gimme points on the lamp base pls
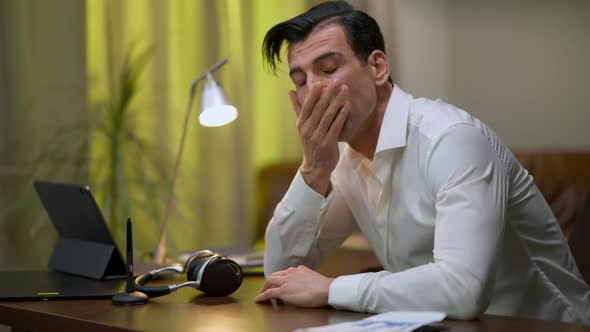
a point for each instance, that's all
(132, 298)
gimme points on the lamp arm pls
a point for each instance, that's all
(159, 255)
(209, 71)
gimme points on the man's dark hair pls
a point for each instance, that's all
(362, 32)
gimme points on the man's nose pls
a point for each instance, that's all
(315, 79)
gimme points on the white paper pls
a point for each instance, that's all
(395, 321)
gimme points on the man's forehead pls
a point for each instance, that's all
(328, 39)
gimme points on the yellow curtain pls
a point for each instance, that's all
(215, 189)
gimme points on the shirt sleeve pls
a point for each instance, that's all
(305, 227)
(469, 184)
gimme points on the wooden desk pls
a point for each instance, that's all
(187, 310)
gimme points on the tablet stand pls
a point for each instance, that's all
(87, 259)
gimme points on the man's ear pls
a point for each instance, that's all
(380, 66)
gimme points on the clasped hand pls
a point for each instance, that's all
(299, 286)
(320, 121)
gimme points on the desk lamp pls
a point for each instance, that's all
(216, 111)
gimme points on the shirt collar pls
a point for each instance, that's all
(393, 132)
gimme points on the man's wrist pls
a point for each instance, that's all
(327, 295)
(318, 181)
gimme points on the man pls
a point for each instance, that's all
(457, 223)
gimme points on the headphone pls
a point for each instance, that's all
(209, 272)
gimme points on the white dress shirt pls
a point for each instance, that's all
(457, 223)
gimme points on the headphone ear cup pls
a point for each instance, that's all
(221, 277)
(195, 266)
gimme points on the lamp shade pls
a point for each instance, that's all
(216, 109)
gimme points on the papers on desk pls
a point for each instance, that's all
(396, 321)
